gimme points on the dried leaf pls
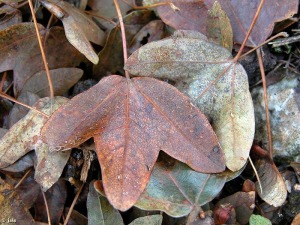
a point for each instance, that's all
(100, 212)
(111, 56)
(152, 31)
(22, 137)
(106, 9)
(243, 203)
(62, 80)
(191, 16)
(20, 52)
(242, 12)
(148, 220)
(19, 111)
(273, 187)
(218, 27)
(79, 28)
(218, 86)
(176, 189)
(22, 164)
(131, 120)
(9, 16)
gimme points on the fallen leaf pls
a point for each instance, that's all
(242, 12)
(148, 220)
(56, 198)
(9, 16)
(224, 214)
(176, 189)
(79, 27)
(2, 132)
(273, 187)
(205, 72)
(12, 209)
(218, 27)
(22, 164)
(106, 9)
(20, 52)
(111, 56)
(191, 16)
(62, 80)
(243, 203)
(100, 212)
(259, 220)
(296, 220)
(152, 31)
(131, 120)
(18, 111)
(22, 137)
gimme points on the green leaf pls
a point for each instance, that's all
(176, 189)
(259, 220)
(100, 212)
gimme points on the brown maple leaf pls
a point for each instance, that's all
(131, 120)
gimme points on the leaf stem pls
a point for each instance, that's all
(47, 207)
(123, 35)
(42, 51)
(250, 30)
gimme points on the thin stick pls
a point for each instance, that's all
(281, 34)
(256, 174)
(250, 29)
(20, 103)
(42, 51)
(101, 17)
(123, 35)
(22, 179)
(3, 80)
(47, 208)
(73, 204)
(264, 82)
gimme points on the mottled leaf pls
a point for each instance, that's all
(131, 120)
(218, 27)
(79, 27)
(100, 212)
(62, 80)
(148, 220)
(176, 189)
(22, 137)
(9, 16)
(217, 85)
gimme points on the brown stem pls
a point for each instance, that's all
(123, 35)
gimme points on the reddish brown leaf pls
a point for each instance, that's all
(131, 120)
(191, 16)
(242, 12)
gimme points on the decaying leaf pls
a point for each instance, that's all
(243, 203)
(111, 56)
(218, 86)
(242, 12)
(100, 212)
(23, 137)
(176, 189)
(273, 187)
(79, 28)
(106, 9)
(20, 52)
(259, 220)
(18, 111)
(62, 80)
(148, 220)
(218, 27)
(9, 16)
(131, 120)
(190, 16)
